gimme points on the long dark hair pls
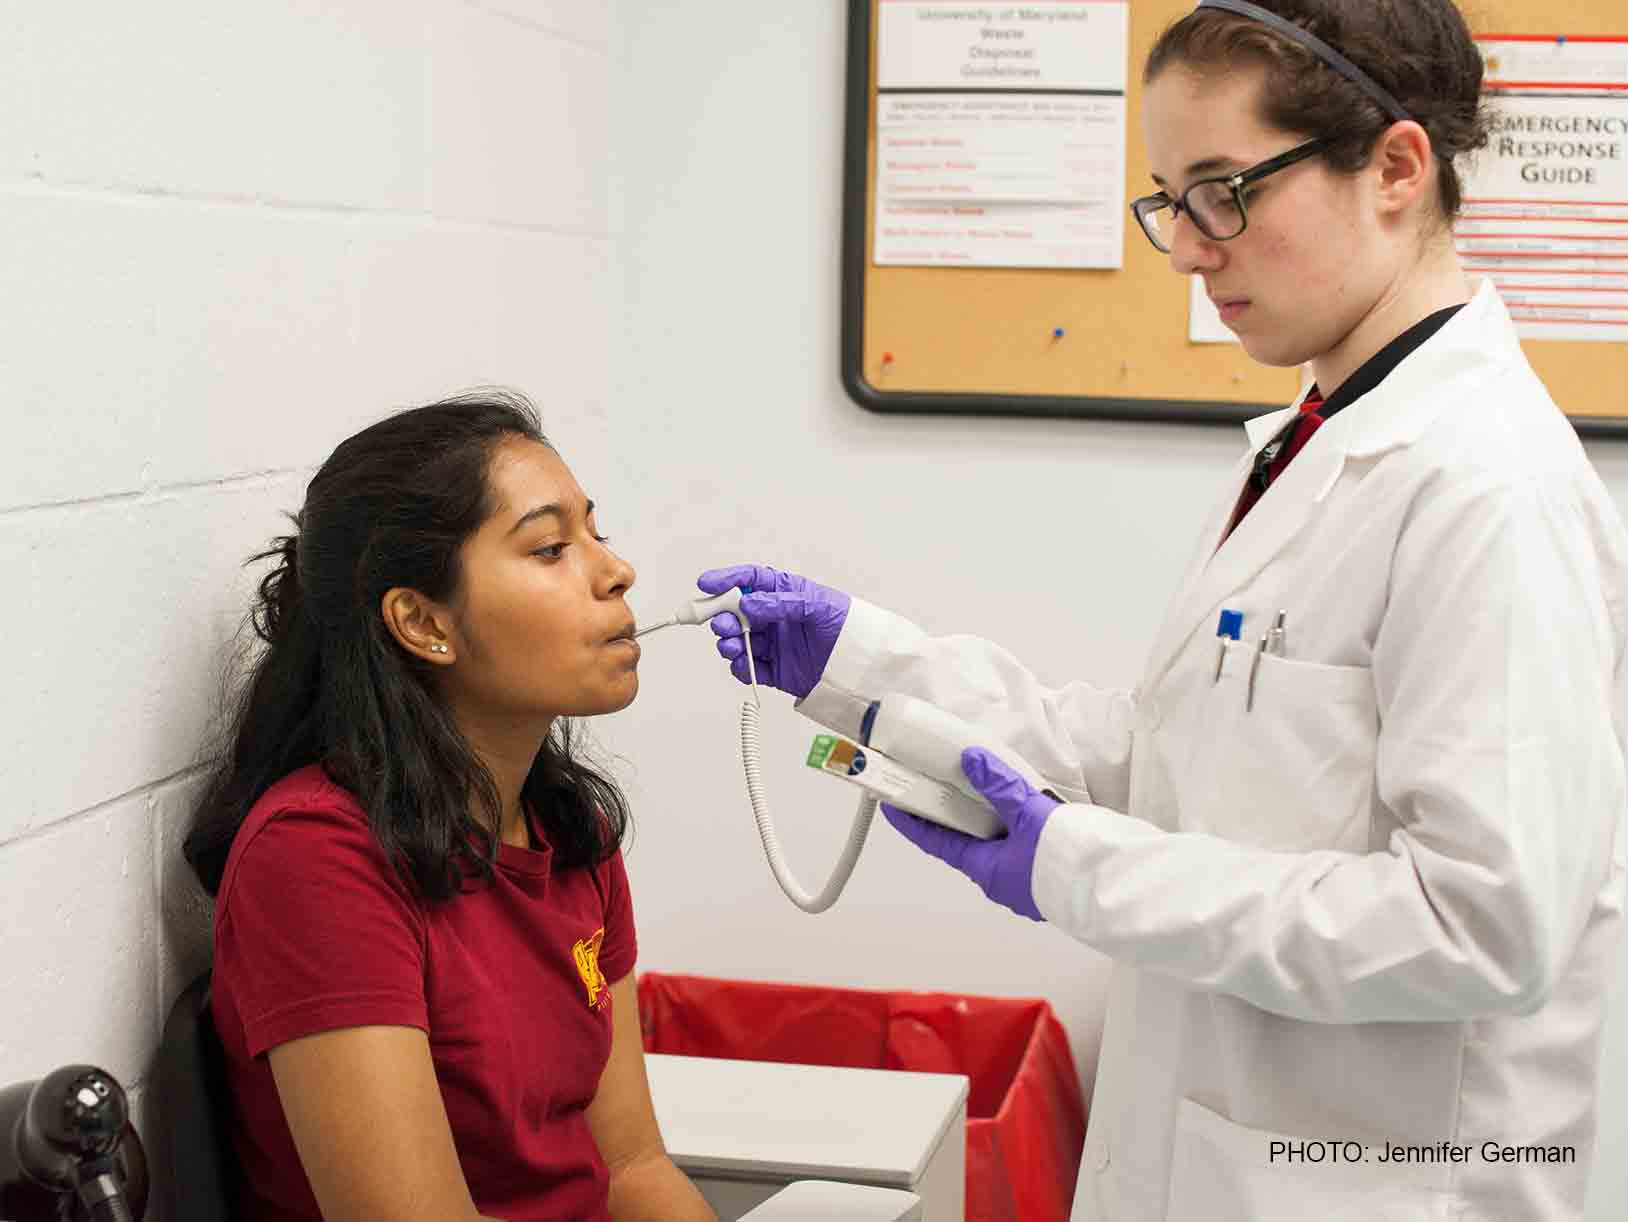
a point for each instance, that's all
(1421, 51)
(391, 507)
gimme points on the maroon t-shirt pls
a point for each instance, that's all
(314, 931)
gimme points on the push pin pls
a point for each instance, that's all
(887, 361)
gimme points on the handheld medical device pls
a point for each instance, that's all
(892, 782)
(909, 756)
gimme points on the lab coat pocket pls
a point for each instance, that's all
(1289, 768)
(1222, 1171)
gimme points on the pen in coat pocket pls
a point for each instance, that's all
(1255, 665)
(1277, 639)
(1231, 625)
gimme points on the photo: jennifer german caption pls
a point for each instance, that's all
(1316, 1152)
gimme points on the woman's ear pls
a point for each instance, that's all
(419, 625)
(1406, 165)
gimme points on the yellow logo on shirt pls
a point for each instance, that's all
(586, 953)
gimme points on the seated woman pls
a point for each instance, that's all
(424, 946)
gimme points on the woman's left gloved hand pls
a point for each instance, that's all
(1002, 867)
(795, 625)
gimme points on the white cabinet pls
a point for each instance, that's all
(742, 1130)
(822, 1201)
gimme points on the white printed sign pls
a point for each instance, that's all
(1546, 203)
(1204, 325)
(1044, 44)
(1001, 134)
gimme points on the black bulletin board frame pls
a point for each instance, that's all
(857, 211)
(855, 262)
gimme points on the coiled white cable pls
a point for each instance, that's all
(699, 612)
(751, 761)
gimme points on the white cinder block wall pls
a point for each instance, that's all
(229, 236)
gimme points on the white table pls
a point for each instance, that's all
(742, 1130)
(821, 1201)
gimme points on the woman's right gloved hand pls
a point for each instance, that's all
(795, 625)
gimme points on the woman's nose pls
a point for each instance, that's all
(619, 575)
(1190, 251)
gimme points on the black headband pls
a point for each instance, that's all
(1317, 47)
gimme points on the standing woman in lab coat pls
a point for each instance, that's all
(1361, 878)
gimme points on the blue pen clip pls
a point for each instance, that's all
(1230, 628)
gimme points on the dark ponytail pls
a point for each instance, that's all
(278, 607)
(324, 682)
(1420, 51)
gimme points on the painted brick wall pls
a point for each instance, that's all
(229, 236)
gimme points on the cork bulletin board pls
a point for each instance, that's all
(985, 341)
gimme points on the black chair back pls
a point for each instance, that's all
(197, 1108)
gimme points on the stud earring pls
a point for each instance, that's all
(438, 649)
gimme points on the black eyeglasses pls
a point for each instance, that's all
(1217, 205)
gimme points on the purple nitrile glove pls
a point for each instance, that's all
(795, 624)
(1003, 867)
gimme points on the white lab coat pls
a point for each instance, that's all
(1382, 906)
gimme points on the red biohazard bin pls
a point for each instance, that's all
(1025, 1114)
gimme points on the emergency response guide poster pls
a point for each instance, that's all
(1546, 202)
